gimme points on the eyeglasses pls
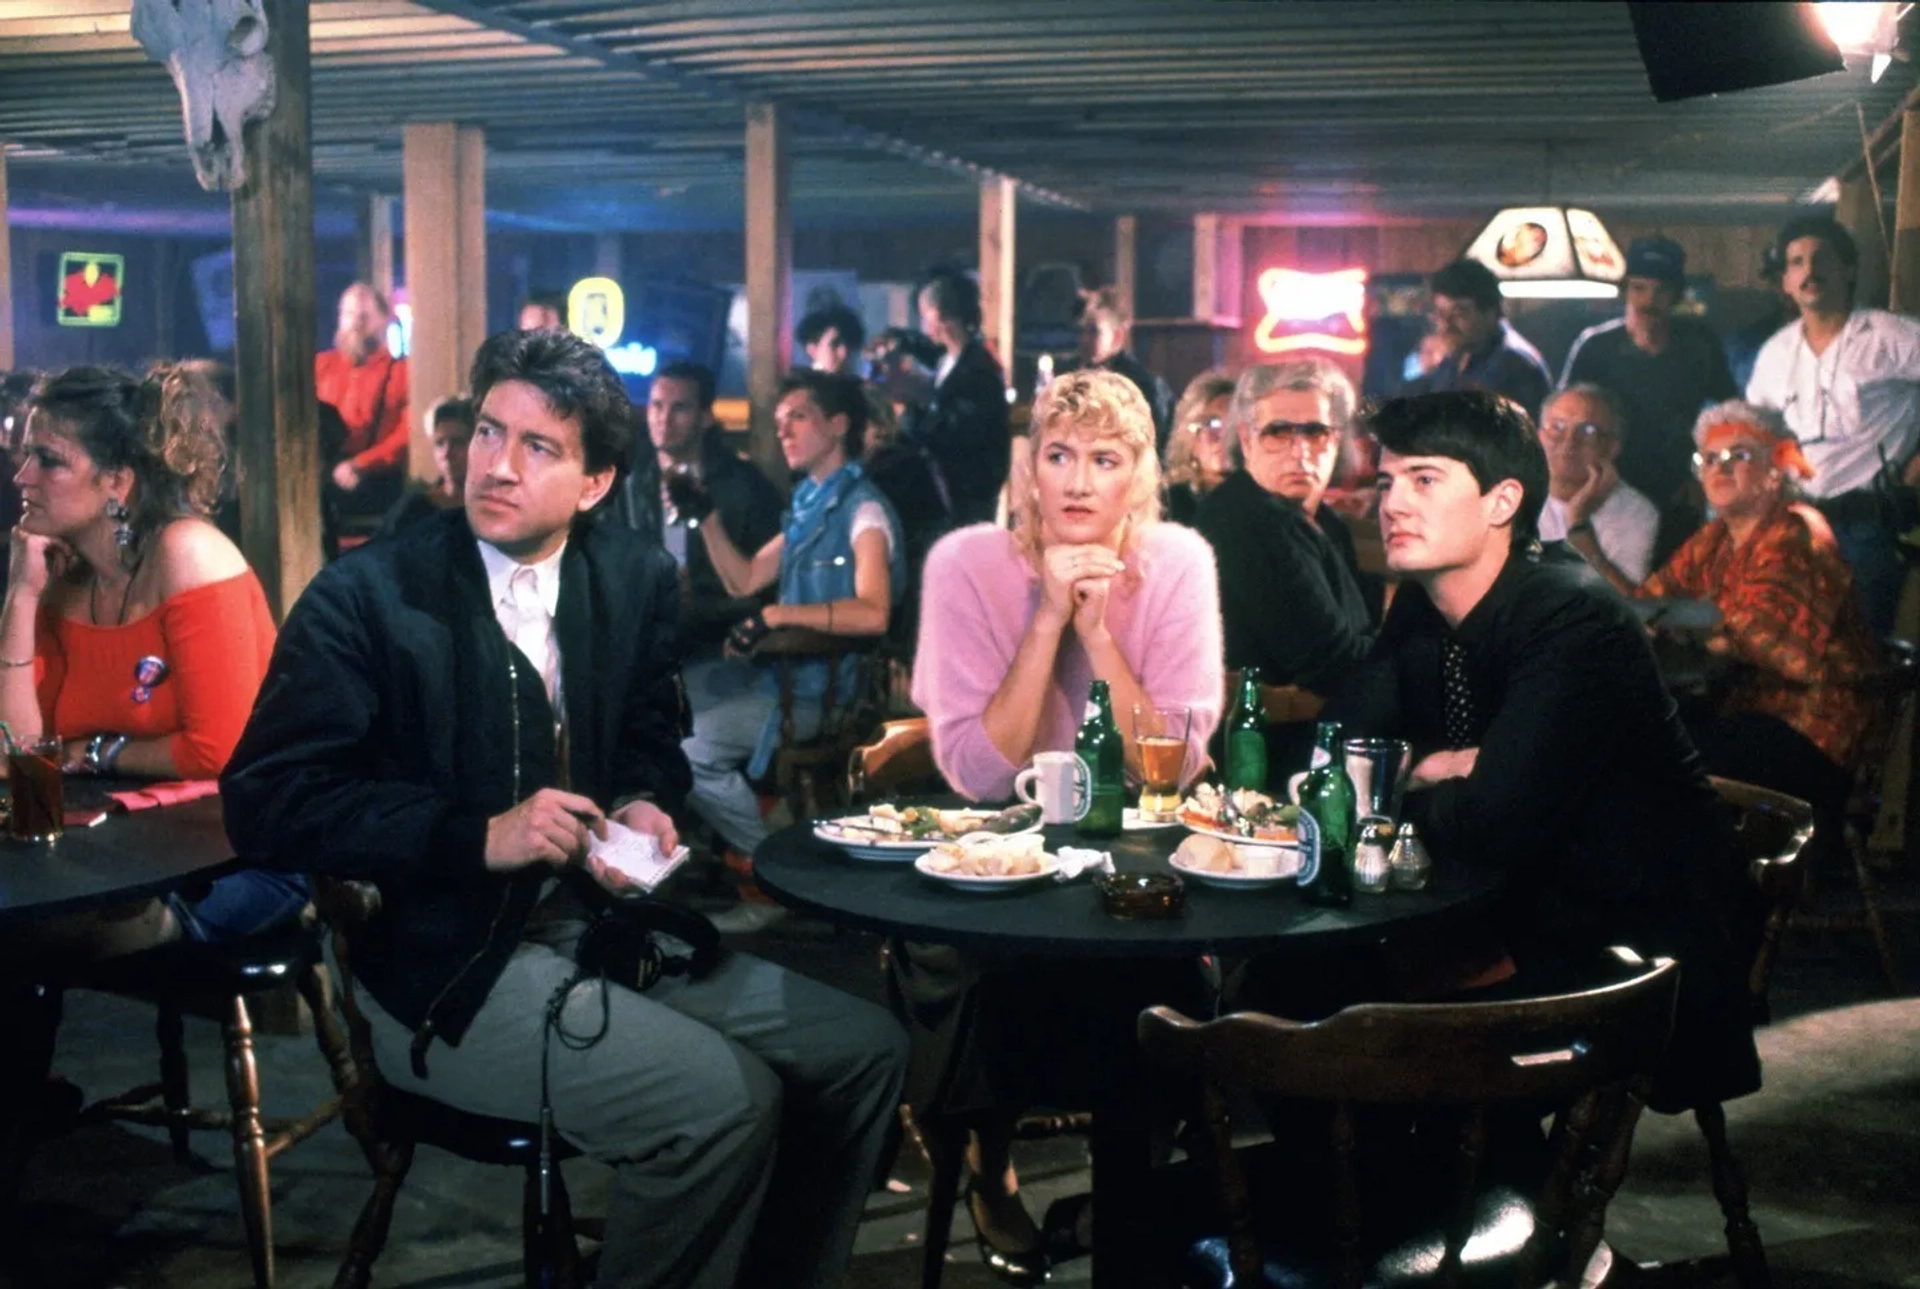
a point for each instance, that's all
(1312, 433)
(1578, 429)
(1739, 454)
(1211, 426)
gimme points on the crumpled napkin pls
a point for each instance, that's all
(174, 793)
(1075, 861)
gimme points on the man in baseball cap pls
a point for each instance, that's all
(1663, 369)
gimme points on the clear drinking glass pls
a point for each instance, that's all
(35, 791)
(1160, 741)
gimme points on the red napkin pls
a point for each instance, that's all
(177, 793)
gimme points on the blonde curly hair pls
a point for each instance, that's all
(1180, 466)
(1085, 405)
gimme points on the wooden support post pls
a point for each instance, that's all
(769, 278)
(1857, 214)
(1905, 294)
(1126, 235)
(997, 282)
(430, 176)
(373, 261)
(1206, 243)
(470, 191)
(6, 274)
(278, 441)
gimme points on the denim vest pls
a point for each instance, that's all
(819, 571)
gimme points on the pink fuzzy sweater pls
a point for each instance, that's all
(978, 595)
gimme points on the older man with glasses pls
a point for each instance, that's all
(1613, 526)
(1290, 592)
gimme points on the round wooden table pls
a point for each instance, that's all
(126, 857)
(1067, 920)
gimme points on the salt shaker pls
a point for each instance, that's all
(1409, 860)
(1372, 867)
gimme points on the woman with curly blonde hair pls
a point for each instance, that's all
(1015, 628)
(1199, 455)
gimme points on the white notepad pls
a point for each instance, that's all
(636, 855)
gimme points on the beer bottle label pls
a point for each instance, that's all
(1082, 787)
(1320, 757)
(1308, 829)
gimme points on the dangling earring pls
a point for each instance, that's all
(122, 530)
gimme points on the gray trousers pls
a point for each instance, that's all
(743, 1113)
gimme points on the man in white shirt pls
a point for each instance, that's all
(1612, 525)
(1847, 381)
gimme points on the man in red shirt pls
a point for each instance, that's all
(369, 387)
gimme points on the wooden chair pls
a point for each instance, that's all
(899, 761)
(1588, 1055)
(807, 771)
(1774, 829)
(220, 980)
(388, 1123)
(1892, 689)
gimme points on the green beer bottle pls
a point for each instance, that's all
(1099, 748)
(1327, 794)
(1247, 736)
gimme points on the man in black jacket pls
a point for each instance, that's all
(1290, 598)
(702, 474)
(964, 426)
(454, 718)
(1545, 744)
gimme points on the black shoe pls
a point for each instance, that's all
(1024, 1267)
(1060, 1228)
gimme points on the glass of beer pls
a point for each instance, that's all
(35, 795)
(1160, 738)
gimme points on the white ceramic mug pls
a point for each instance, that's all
(1057, 782)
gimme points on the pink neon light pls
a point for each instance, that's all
(1291, 296)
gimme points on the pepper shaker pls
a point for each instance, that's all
(1411, 864)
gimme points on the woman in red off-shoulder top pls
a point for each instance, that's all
(132, 627)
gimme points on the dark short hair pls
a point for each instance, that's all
(1468, 280)
(695, 374)
(457, 408)
(954, 295)
(834, 317)
(1824, 227)
(575, 379)
(835, 395)
(169, 429)
(1487, 433)
(554, 300)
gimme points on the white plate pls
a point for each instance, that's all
(888, 852)
(1049, 865)
(1237, 839)
(1132, 822)
(1289, 867)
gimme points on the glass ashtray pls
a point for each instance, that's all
(1141, 895)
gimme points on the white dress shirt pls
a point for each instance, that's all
(525, 598)
(1626, 525)
(1847, 405)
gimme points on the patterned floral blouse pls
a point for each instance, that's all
(1791, 615)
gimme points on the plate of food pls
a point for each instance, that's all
(1256, 818)
(899, 834)
(1237, 866)
(984, 862)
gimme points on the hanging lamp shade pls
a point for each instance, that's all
(1550, 253)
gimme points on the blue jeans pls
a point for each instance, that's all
(239, 905)
(730, 708)
(1879, 569)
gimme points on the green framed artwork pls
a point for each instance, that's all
(90, 288)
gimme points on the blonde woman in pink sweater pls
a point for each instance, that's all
(1015, 627)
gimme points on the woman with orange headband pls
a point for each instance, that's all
(1791, 621)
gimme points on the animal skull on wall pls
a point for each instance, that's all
(217, 53)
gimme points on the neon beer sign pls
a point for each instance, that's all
(1325, 311)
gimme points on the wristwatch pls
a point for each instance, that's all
(103, 752)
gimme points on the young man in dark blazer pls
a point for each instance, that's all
(452, 717)
(1545, 744)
